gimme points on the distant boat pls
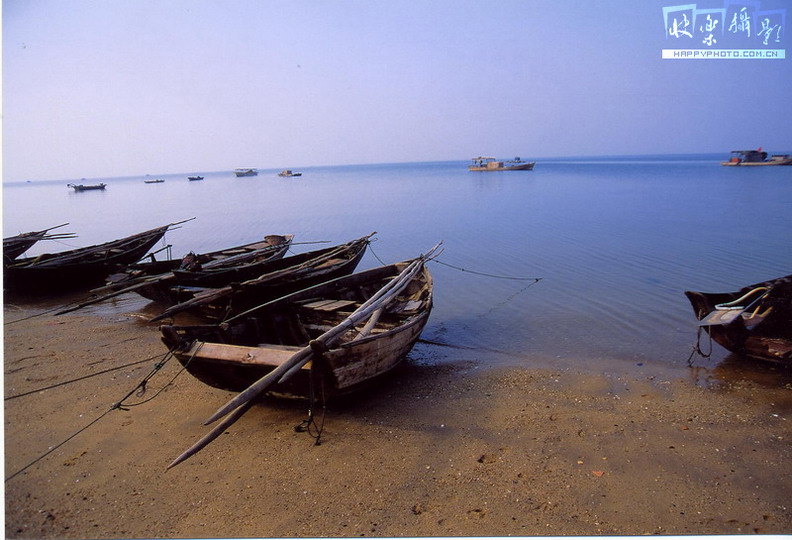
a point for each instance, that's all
(746, 158)
(157, 181)
(83, 187)
(288, 172)
(246, 172)
(488, 164)
(194, 178)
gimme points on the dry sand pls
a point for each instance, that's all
(436, 451)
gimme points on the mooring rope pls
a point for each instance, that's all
(58, 308)
(119, 405)
(697, 347)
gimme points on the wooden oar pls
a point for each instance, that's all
(727, 312)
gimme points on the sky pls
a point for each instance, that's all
(104, 88)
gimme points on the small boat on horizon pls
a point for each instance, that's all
(194, 178)
(289, 172)
(157, 181)
(246, 172)
(488, 164)
(89, 187)
(753, 158)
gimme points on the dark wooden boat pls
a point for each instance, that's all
(83, 187)
(195, 178)
(153, 279)
(275, 278)
(755, 321)
(240, 351)
(79, 267)
(14, 246)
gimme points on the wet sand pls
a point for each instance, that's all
(455, 450)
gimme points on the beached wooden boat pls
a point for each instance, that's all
(153, 279)
(275, 279)
(490, 164)
(84, 187)
(755, 321)
(240, 351)
(79, 267)
(14, 246)
(753, 158)
(289, 172)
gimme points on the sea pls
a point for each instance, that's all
(580, 264)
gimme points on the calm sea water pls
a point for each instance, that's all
(615, 241)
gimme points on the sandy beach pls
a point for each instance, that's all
(455, 450)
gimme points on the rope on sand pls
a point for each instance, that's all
(139, 390)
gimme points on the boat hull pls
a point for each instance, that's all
(752, 334)
(521, 167)
(234, 360)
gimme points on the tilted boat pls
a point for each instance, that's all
(755, 321)
(489, 164)
(275, 278)
(349, 337)
(153, 279)
(84, 187)
(752, 158)
(14, 246)
(79, 267)
(246, 172)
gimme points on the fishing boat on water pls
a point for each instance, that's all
(87, 187)
(14, 246)
(753, 158)
(353, 329)
(155, 181)
(195, 178)
(755, 321)
(246, 172)
(79, 267)
(489, 164)
(289, 172)
(273, 280)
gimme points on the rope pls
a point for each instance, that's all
(697, 347)
(139, 390)
(309, 425)
(41, 313)
(535, 280)
(79, 378)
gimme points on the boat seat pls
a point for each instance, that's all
(328, 305)
(264, 355)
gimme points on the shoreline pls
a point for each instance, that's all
(438, 450)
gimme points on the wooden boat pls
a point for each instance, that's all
(246, 172)
(84, 187)
(194, 178)
(240, 351)
(153, 279)
(752, 158)
(755, 321)
(14, 246)
(490, 164)
(79, 267)
(275, 279)
(155, 181)
(289, 172)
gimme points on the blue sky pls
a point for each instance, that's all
(114, 88)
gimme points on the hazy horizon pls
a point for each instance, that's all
(114, 89)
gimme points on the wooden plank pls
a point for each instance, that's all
(265, 356)
(329, 305)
